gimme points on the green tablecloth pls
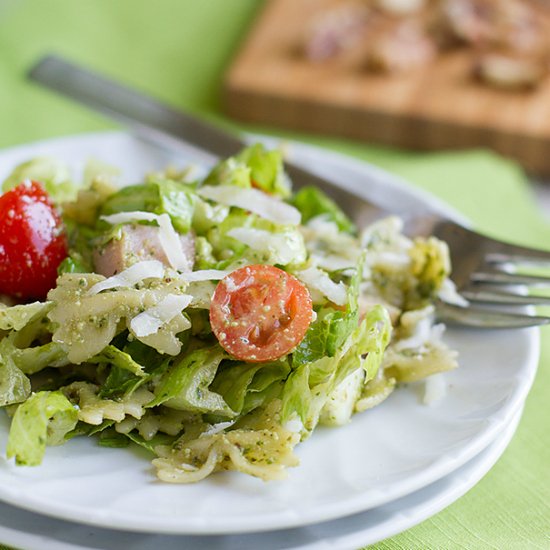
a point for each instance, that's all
(178, 50)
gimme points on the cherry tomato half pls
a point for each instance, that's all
(260, 313)
(32, 242)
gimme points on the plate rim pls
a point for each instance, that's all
(266, 522)
(351, 539)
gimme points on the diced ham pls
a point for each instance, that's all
(138, 243)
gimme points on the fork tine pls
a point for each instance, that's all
(504, 278)
(508, 298)
(496, 251)
(485, 318)
(517, 254)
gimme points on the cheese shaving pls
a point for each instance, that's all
(171, 244)
(255, 201)
(130, 217)
(151, 320)
(319, 280)
(150, 269)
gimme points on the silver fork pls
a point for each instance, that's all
(480, 264)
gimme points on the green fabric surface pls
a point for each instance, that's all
(177, 50)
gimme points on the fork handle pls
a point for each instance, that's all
(155, 121)
(167, 127)
(136, 110)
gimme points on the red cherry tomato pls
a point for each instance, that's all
(260, 313)
(32, 242)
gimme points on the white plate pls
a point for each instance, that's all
(33, 532)
(382, 455)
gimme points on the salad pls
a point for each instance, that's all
(215, 321)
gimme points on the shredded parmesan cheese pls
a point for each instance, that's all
(151, 269)
(130, 217)
(171, 244)
(254, 200)
(319, 280)
(151, 320)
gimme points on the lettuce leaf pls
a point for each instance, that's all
(44, 419)
(310, 385)
(185, 385)
(206, 215)
(253, 166)
(328, 332)
(32, 360)
(151, 444)
(236, 381)
(112, 439)
(113, 356)
(242, 234)
(124, 376)
(266, 169)
(230, 171)
(312, 202)
(16, 317)
(161, 197)
(15, 387)
(53, 174)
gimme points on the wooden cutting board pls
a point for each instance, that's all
(437, 107)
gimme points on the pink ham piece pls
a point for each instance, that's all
(138, 243)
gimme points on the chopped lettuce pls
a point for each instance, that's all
(150, 444)
(113, 356)
(15, 386)
(332, 327)
(206, 215)
(244, 385)
(53, 174)
(312, 202)
(16, 317)
(279, 246)
(160, 197)
(245, 235)
(44, 419)
(266, 169)
(112, 439)
(185, 385)
(340, 403)
(230, 172)
(310, 385)
(33, 359)
(254, 166)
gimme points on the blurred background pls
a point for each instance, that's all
(252, 61)
(297, 69)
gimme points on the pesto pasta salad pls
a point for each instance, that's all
(215, 321)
